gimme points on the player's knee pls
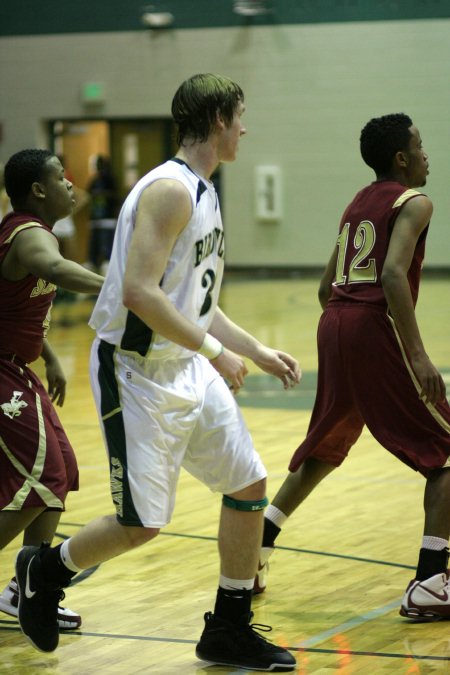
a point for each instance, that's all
(137, 536)
(255, 491)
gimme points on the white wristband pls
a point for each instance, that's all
(211, 347)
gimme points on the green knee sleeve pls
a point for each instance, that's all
(241, 505)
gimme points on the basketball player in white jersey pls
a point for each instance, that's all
(162, 366)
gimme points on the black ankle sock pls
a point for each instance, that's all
(271, 532)
(431, 563)
(50, 568)
(232, 605)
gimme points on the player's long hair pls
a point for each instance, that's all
(199, 100)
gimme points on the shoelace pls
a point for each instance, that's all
(261, 628)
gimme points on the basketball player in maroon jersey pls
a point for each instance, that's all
(373, 367)
(37, 463)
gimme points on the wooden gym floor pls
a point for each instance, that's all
(343, 560)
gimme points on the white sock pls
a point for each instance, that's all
(65, 557)
(434, 543)
(277, 517)
(236, 584)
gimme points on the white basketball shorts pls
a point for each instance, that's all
(158, 416)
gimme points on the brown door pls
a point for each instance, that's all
(135, 146)
(138, 146)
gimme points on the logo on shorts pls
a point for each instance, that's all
(13, 408)
(116, 477)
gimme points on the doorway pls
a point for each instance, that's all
(134, 146)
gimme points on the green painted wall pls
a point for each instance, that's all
(27, 17)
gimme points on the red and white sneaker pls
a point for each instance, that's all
(9, 603)
(263, 570)
(427, 600)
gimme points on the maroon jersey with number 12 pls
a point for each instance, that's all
(363, 241)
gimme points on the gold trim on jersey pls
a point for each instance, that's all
(19, 228)
(32, 480)
(403, 197)
(434, 412)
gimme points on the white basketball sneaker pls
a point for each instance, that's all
(427, 600)
(9, 603)
(263, 570)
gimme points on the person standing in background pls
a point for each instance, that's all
(104, 205)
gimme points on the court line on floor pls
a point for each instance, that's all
(348, 625)
(200, 537)
(303, 550)
(383, 655)
(372, 561)
(296, 648)
(280, 548)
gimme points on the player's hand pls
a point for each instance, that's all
(279, 364)
(432, 385)
(232, 368)
(56, 382)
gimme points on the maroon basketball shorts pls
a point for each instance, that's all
(365, 377)
(37, 462)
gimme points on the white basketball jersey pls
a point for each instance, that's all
(192, 278)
